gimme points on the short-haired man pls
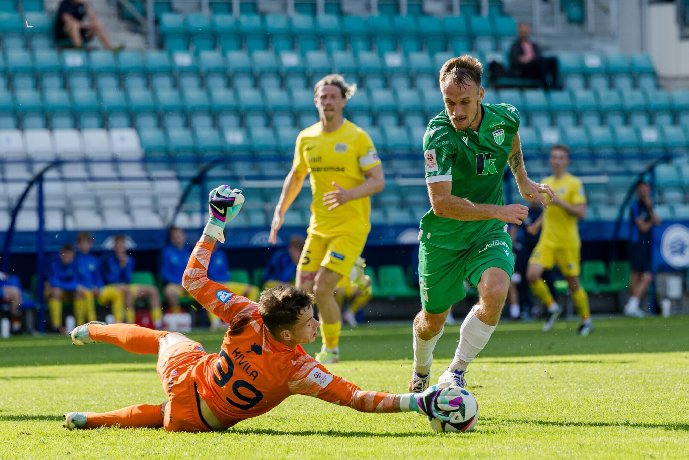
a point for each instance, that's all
(211, 392)
(559, 243)
(463, 235)
(344, 171)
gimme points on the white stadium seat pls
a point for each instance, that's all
(125, 144)
(39, 144)
(68, 144)
(96, 143)
(145, 218)
(12, 144)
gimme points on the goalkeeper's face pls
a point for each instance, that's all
(306, 327)
(463, 104)
(330, 102)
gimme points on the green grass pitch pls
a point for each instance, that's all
(619, 393)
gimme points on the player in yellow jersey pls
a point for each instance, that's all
(355, 291)
(344, 171)
(559, 243)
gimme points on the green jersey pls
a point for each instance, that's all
(474, 161)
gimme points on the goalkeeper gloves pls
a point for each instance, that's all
(224, 204)
(438, 401)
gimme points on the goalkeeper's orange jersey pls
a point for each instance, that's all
(341, 156)
(253, 372)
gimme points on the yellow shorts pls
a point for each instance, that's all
(568, 259)
(336, 253)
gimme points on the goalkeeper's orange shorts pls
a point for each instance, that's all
(182, 412)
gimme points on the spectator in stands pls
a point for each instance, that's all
(63, 284)
(354, 292)
(117, 268)
(89, 275)
(219, 270)
(643, 219)
(559, 243)
(11, 292)
(175, 256)
(69, 25)
(282, 267)
(527, 61)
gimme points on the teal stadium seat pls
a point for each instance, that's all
(46, 61)
(596, 72)
(329, 28)
(19, 61)
(586, 105)
(115, 104)
(674, 138)
(433, 33)
(195, 100)
(152, 140)
(263, 140)
(304, 32)
(420, 63)
(458, 33)
(85, 100)
(163, 81)
(681, 211)
(644, 71)
(111, 82)
(277, 27)
(12, 26)
(57, 101)
(140, 100)
(145, 120)
(396, 139)
(250, 26)
(660, 106)
(28, 101)
(680, 105)
(651, 139)
(610, 105)
(129, 62)
(619, 69)
(667, 175)
(180, 144)
(626, 138)
(409, 101)
(173, 30)
(227, 32)
(635, 107)
(562, 108)
(371, 69)
(482, 31)
(576, 137)
(102, 62)
(264, 63)
(317, 63)
(51, 81)
(356, 32)
(344, 63)
(511, 96)
(572, 70)
(359, 104)
(184, 62)
(209, 141)
(383, 101)
(535, 104)
(531, 142)
(199, 29)
(279, 101)
(158, 62)
(384, 30)
(250, 99)
(505, 29)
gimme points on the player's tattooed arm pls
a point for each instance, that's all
(528, 189)
(516, 158)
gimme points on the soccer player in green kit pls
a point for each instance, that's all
(463, 236)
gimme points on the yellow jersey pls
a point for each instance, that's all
(559, 227)
(341, 156)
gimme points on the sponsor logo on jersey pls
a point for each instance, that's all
(466, 140)
(340, 148)
(493, 244)
(320, 378)
(499, 136)
(430, 161)
(337, 255)
(674, 246)
(223, 295)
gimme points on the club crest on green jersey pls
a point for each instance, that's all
(499, 136)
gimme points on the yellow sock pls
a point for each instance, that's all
(79, 311)
(359, 302)
(157, 315)
(331, 334)
(90, 306)
(541, 291)
(581, 302)
(113, 296)
(55, 308)
(131, 315)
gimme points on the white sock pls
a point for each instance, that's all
(423, 352)
(633, 303)
(553, 307)
(515, 310)
(473, 337)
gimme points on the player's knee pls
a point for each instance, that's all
(493, 297)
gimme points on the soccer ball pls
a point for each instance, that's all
(463, 419)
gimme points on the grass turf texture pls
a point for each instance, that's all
(619, 393)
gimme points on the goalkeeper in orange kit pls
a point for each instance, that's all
(261, 361)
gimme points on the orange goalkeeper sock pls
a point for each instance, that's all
(139, 416)
(133, 338)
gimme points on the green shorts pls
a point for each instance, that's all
(442, 271)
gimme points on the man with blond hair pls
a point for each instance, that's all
(344, 171)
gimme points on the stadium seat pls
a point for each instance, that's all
(482, 32)
(12, 144)
(572, 70)
(594, 68)
(576, 137)
(619, 69)
(180, 142)
(173, 31)
(140, 100)
(562, 108)
(46, 61)
(644, 71)
(68, 144)
(626, 138)
(393, 284)
(304, 32)
(610, 105)
(667, 175)
(535, 104)
(158, 62)
(635, 108)
(199, 29)
(420, 63)
(674, 138)
(356, 32)
(57, 101)
(660, 106)
(39, 144)
(125, 144)
(651, 139)
(344, 63)
(680, 105)
(209, 141)
(433, 33)
(152, 140)
(317, 63)
(28, 101)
